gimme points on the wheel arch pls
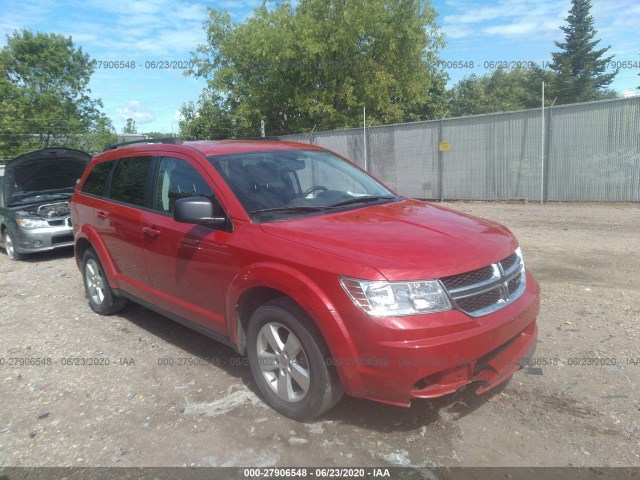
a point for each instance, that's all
(87, 238)
(6, 227)
(262, 283)
(248, 302)
(81, 246)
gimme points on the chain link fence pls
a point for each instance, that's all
(581, 152)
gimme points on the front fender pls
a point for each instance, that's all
(303, 290)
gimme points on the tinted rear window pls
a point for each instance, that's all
(129, 178)
(96, 183)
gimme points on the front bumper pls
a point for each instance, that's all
(42, 239)
(427, 356)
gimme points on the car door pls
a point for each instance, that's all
(189, 267)
(119, 224)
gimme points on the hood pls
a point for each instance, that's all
(405, 240)
(43, 175)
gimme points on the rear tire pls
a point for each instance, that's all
(101, 298)
(10, 248)
(290, 361)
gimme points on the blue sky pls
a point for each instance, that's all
(151, 30)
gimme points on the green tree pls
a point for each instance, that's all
(316, 65)
(130, 127)
(501, 91)
(157, 135)
(99, 134)
(207, 118)
(11, 134)
(580, 67)
(45, 99)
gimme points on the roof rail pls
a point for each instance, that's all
(165, 140)
(270, 138)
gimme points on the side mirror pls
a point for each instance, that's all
(198, 210)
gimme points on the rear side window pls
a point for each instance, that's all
(129, 178)
(96, 183)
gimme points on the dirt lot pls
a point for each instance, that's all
(137, 412)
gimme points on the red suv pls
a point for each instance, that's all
(325, 278)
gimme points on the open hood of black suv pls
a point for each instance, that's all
(43, 175)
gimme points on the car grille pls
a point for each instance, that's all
(60, 222)
(58, 239)
(468, 279)
(487, 289)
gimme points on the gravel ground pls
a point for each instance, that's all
(579, 407)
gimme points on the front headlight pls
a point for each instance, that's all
(30, 223)
(383, 299)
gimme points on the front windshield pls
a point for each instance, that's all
(275, 185)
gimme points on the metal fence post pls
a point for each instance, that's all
(370, 166)
(547, 147)
(440, 163)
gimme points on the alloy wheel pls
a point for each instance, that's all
(95, 281)
(8, 245)
(283, 362)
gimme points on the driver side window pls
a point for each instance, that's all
(178, 179)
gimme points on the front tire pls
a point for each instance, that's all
(10, 248)
(290, 361)
(101, 298)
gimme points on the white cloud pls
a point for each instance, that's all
(529, 19)
(17, 15)
(458, 31)
(521, 28)
(123, 29)
(506, 18)
(164, 29)
(476, 15)
(145, 6)
(194, 12)
(134, 110)
(630, 93)
(238, 4)
(619, 14)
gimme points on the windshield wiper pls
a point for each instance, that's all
(357, 200)
(303, 209)
(289, 210)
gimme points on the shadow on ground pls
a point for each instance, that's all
(50, 256)
(354, 411)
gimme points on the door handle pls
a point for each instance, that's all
(151, 231)
(101, 215)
